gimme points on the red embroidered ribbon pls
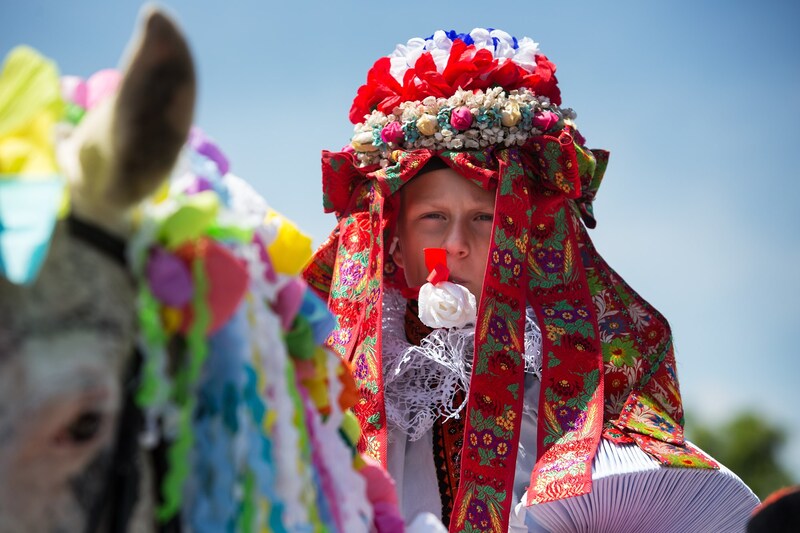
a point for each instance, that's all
(494, 406)
(571, 399)
(356, 299)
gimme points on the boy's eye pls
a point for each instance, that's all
(485, 217)
(433, 216)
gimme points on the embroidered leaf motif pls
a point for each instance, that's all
(335, 163)
(503, 241)
(590, 381)
(514, 390)
(551, 153)
(550, 395)
(559, 230)
(479, 423)
(483, 327)
(375, 421)
(585, 328)
(369, 385)
(487, 456)
(490, 348)
(551, 425)
(534, 266)
(462, 512)
(507, 184)
(368, 348)
(595, 287)
(543, 283)
(492, 423)
(591, 414)
(506, 275)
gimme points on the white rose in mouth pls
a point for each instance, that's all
(446, 305)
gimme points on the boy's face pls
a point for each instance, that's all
(442, 209)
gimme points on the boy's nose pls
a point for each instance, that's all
(456, 243)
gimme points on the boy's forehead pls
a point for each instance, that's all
(442, 185)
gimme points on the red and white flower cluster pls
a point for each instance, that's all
(445, 62)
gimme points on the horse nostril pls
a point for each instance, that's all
(85, 427)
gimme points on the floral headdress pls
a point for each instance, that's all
(488, 105)
(455, 91)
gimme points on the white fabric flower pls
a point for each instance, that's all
(446, 305)
(498, 42)
(440, 41)
(405, 56)
(525, 55)
(504, 46)
(482, 39)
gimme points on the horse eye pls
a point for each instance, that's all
(85, 427)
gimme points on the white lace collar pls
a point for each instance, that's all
(420, 382)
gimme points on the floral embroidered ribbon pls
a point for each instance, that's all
(356, 299)
(571, 401)
(494, 406)
(596, 328)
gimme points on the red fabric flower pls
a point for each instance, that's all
(380, 87)
(467, 67)
(432, 82)
(508, 75)
(543, 80)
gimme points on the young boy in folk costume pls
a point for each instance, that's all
(555, 404)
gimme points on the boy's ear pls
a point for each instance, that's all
(396, 252)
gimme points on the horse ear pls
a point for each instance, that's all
(127, 146)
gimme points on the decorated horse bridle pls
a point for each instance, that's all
(123, 479)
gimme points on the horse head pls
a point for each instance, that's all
(67, 337)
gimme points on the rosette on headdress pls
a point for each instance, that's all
(488, 105)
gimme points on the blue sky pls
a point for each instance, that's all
(697, 102)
